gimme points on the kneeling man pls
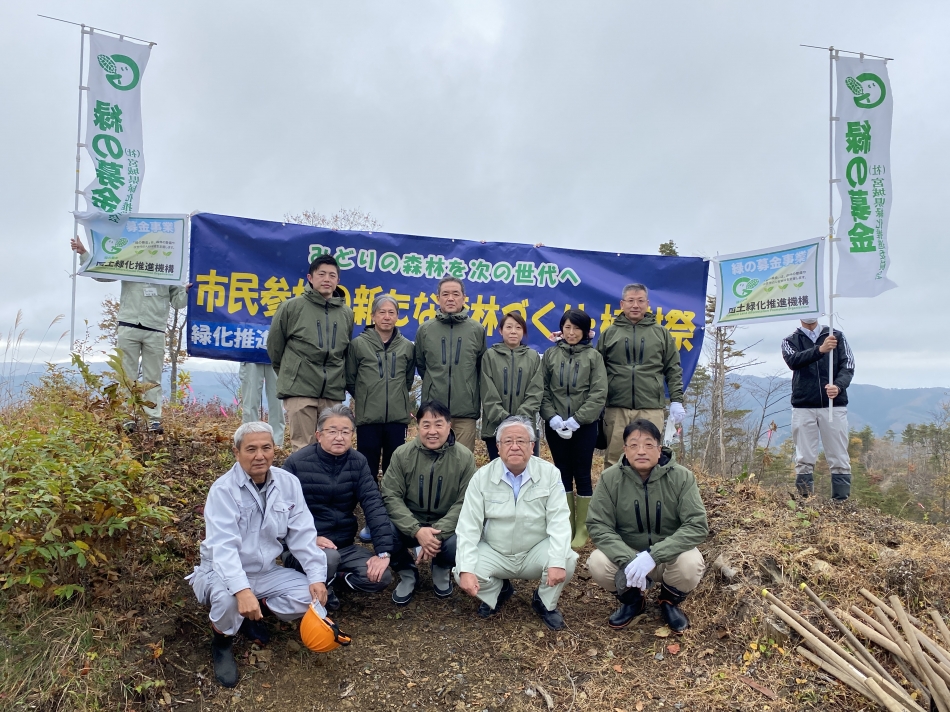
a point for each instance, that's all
(646, 519)
(249, 510)
(423, 489)
(515, 524)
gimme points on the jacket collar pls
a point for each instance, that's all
(497, 470)
(505, 351)
(456, 318)
(661, 469)
(314, 296)
(370, 333)
(649, 319)
(438, 451)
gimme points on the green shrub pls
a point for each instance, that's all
(73, 494)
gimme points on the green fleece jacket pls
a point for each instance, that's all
(379, 377)
(307, 345)
(638, 358)
(449, 352)
(426, 488)
(512, 384)
(575, 383)
(663, 515)
(144, 303)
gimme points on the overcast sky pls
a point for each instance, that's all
(602, 125)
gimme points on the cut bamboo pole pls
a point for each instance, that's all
(884, 607)
(925, 640)
(938, 688)
(837, 673)
(875, 637)
(856, 645)
(889, 702)
(941, 626)
(894, 635)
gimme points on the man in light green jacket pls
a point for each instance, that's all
(307, 346)
(515, 524)
(449, 352)
(640, 355)
(140, 336)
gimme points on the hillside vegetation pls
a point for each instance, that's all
(98, 529)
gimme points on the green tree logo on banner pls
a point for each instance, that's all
(121, 72)
(868, 89)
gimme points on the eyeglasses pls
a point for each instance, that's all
(649, 447)
(333, 433)
(520, 442)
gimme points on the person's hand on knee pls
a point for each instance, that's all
(469, 583)
(248, 605)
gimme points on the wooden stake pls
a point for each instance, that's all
(938, 688)
(941, 626)
(884, 607)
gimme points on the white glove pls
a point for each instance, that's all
(638, 570)
(677, 412)
(556, 423)
(572, 424)
(565, 433)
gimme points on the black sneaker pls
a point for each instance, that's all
(255, 631)
(406, 588)
(552, 619)
(155, 427)
(333, 603)
(507, 591)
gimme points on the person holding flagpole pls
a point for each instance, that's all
(820, 404)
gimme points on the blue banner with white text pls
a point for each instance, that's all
(243, 269)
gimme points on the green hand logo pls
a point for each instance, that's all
(743, 287)
(868, 89)
(121, 72)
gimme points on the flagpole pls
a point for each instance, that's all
(832, 55)
(76, 191)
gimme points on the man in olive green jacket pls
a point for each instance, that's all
(639, 355)
(646, 519)
(423, 490)
(449, 352)
(307, 345)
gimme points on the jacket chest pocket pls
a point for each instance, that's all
(534, 500)
(279, 515)
(249, 519)
(499, 505)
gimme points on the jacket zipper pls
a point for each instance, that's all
(505, 378)
(431, 476)
(646, 495)
(633, 371)
(570, 361)
(379, 363)
(511, 395)
(381, 370)
(451, 329)
(518, 389)
(438, 493)
(642, 340)
(326, 354)
(636, 507)
(659, 516)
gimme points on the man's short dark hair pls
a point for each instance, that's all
(323, 260)
(642, 426)
(433, 408)
(444, 280)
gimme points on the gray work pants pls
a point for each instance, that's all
(256, 377)
(808, 424)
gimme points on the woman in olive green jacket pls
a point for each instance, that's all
(380, 369)
(575, 391)
(512, 381)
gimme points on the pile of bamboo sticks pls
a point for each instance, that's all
(924, 664)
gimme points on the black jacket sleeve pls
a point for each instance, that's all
(799, 359)
(375, 511)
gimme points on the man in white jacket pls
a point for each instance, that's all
(249, 510)
(515, 524)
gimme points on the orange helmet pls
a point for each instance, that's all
(321, 635)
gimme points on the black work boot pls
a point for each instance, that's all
(632, 604)
(255, 631)
(552, 619)
(225, 666)
(333, 603)
(840, 486)
(507, 591)
(669, 601)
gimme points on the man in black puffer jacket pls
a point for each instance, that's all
(335, 478)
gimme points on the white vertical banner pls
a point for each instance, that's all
(863, 162)
(114, 131)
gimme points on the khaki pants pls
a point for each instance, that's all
(616, 419)
(493, 568)
(683, 573)
(464, 429)
(302, 414)
(148, 348)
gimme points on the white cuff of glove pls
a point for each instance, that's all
(565, 433)
(572, 424)
(677, 412)
(556, 423)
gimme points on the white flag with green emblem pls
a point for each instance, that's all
(114, 131)
(863, 161)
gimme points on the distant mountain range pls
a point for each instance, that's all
(882, 408)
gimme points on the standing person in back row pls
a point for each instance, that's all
(575, 389)
(639, 355)
(449, 352)
(806, 352)
(140, 333)
(307, 346)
